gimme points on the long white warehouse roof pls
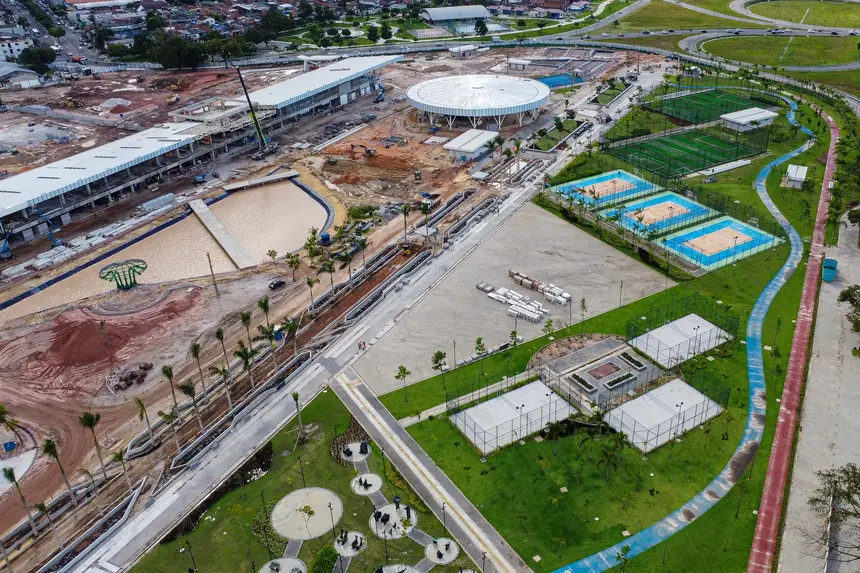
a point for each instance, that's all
(797, 172)
(317, 81)
(455, 13)
(747, 116)
(470, 141)
(42, 183)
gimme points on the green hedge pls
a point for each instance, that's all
(326, 558)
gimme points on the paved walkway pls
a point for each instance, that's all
(766, 539)
(293, 547)
(829, 424)
(464, 522)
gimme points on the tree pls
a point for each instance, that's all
(170, 418)
(385, 31)
(623, 557)
(851, 295)
(219, 336)
(299, 414)
(57, 31)
(23, 22)
(9, 476)
(311, 281)
(223, 372)
(480, 28)
(190, 391)
(267, 333)
(195, 353)
(43, 510)
(167, 374)
(291, 327)
(245, 317)
(583, 308)
(619, 442)
(49, 448)
(246, 355)
(401, 376)
(404, 210)
(119, 458)
(263, 305)
(373, 34)
(425, 210)
(294, 261)
(272, 254)
(117, 50)
(154, 21)
(89, 421)
(554, 431)
(36, 58)
(362, 245)
(558, 124)
(607, 458)
(8, 422)
(438, 364)
(588, 438)
(307, 512)
(480, 350)
(838, 497)
(328, 267)
(100, 36)
(548, 327)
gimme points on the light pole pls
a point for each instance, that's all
(331, 514)
(444, 520)
(193, 563)
(455, 354)
(483, 560)
(302, 471)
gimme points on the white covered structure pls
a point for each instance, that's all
(476, 97)
(470, 145)
(748, 119)
(516, 64)
(451, 13)
(795, 177)
(463, 52)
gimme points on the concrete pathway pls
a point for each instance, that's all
(419, 537)
(222, 236)
(293, 547)
(424, 565)
(464, 522)
(342, 564)
(829, 424)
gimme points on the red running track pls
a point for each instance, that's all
(770, 512)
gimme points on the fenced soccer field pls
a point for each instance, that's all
(680, 154)
(709, 105)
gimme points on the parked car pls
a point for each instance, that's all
(277, 283)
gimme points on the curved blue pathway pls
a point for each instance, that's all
(726, 479)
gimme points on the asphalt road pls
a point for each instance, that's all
(68, 43)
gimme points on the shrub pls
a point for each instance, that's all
(262, 529)
(361, 211)
(325, 560)
(639, 131)
(397, 481)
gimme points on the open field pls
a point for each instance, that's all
(837, 14)
(706, 106)
(534, 242)
(848, 80)
(641, 121)
(662, 42)
(721, 6)
(779, 51)
(223, 540)
(659, 15)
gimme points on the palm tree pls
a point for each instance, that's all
(89, 421)
(554, 431)
(142, 415)
(291, 327)
(195, 353)
(518, 143)
(362, 244)
(311, 281)
(425, 209)
(188, 389)
(328, 267)
(348, 258)
(170, 419)
(8, 422)
(619, 441)
(500, 143)
(9, 475)
(491, 146)
(263, 304)
(219, 336)
(607, 458)
(49, 448)
(43, 510)
(267, 333)
(294, 262)
(246, 356)
(246, 322)
(299, 414)
(224, 373)
(588, 438)
(86, 474)
(119, 458)
(404, 209)
(167, 374)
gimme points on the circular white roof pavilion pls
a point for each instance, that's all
(478, 96)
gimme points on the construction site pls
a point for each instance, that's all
(342, 163)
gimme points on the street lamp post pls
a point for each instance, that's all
(331, 514)
(444, 520)
(302, 471)
(483, 560)
(193, 563)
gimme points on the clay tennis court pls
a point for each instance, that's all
(718, 241)
(660, 212)
(608, 187)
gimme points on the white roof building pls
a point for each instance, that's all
(746, 119)
(473, 12)
(470, 144)
(317, 81)
(796, 172)
(43, 183)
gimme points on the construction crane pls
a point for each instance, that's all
(265, 146)
(380, 96)
(55, 241)
(5, 249)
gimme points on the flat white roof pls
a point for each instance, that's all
(797, 172)
(466, 48)
(747, 116)
(478, 95)
(473, 11)
(470, 141)
(42, 183)
(516, 62)
(316, 81)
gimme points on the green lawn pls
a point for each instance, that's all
(222, 541)
(659, 15)
(845, 80)
(661, 42)
(640, 121)
(778, 51)
(552, 138)
(615, 89)
(838, 14)
(721, 6)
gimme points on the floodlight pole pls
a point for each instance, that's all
(212, 272)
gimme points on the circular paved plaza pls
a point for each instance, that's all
(290, 522)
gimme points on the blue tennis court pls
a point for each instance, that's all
(659, 213)
(719, 242)
(606, 189)
(560, 80)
